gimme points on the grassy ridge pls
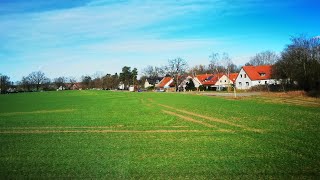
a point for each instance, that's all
(122, 135)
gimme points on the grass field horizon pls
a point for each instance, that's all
(122, 135)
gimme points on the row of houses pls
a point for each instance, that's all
(248, 77)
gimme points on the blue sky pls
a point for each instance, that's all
(75, 38)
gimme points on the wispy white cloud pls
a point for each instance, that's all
(102, 33)
(107, 21)
(154, 45)
(68, 28)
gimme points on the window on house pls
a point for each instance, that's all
(262, 74)
(245, 75)
(225, 80)
(259, 82)
(220, 80)
(247, 83)
(265, 82)
(240, 83)
(241, 75)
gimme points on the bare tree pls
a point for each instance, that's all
(60, 82)
(37, 79)
(107, 81)
(234, 68)
(115, 80)
(86, 81)
(153, 73)
(300, 63)
(199, 69)
(5, 83)
(222, 64)
(47, 85)
(217, 62)
(175, 68)
(111, 81)
(264, 58)
(72, 81)
(226, 62)
(24, 84)
(97, 82)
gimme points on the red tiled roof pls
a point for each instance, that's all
(258, 72)
(203, 77)
(209, 79)
(164, 81)
(233, 76)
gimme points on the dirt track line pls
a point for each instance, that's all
(145, 103)
(188, 118)
(80, 127)
(213, 119)
(37, 112)
(109, 131)
(61, 127)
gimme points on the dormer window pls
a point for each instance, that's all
(262, 74)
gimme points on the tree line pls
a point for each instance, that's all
(297, 67)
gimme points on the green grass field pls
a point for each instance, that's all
(122, 135)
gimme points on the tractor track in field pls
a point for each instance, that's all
(107, 131)
(82, 127)
(211, 119)
(181, 114)
(188, 119)
(37, 112)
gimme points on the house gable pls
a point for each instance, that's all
(243, 81)
(207, 79)
(166, 82)
(147, 84)
(223, 80)
(258, 72)
(253, 75)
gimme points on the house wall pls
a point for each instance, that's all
(223, 81)
(263, 82)
(183, 84)
(196, 82)
(167, 87)
(244, 82)
(171, 89)
(147, 84)
(121, 86)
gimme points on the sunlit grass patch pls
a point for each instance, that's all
(122, 135)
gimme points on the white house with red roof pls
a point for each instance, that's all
(215, 81)
(165, 84)
(185, 81)
(147, 84)
(225, 80)
(206, 80)
(250, 76)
